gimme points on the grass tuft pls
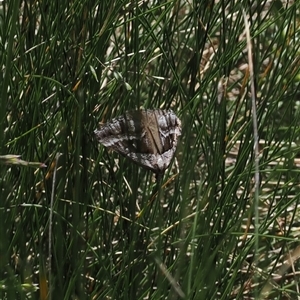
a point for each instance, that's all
(81, 227)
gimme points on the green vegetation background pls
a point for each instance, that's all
(70, 230)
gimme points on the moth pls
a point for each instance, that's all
(147, 137)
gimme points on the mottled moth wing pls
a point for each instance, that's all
(147, 137)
